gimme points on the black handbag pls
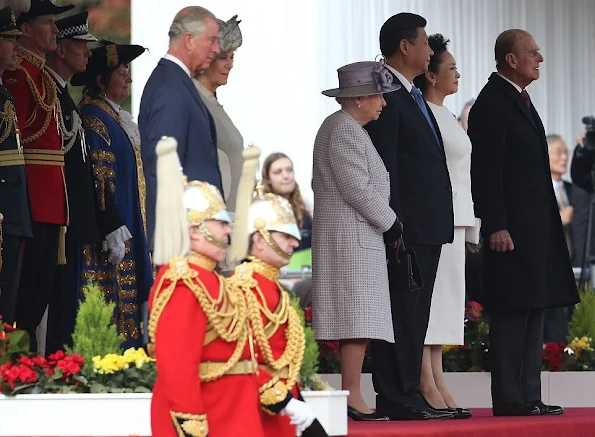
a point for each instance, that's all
(409, 258)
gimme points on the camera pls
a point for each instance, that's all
(589, 122)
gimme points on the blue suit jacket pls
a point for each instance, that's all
(171, 106)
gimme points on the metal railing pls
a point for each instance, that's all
(306, 272)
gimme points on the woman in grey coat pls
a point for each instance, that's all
(351, 202)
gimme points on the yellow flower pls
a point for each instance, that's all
(114, 363)
(581, 344)
(448, 347)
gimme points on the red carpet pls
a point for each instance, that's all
(576, 422)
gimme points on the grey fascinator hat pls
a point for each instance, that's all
(230, 35)
(361, 79)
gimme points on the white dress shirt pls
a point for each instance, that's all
(408, 85)
(175, 60)
(516, 87)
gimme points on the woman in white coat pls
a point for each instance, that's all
(446, 325)
(351, 302)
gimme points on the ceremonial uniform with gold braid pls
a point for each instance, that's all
(206, 381)
(207, 377)
(35, 98)
(14, 200)
(277, 328)
(278, 333)
(90, 223)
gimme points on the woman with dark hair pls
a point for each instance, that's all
(114, 141)
(448, 298)
(278, 178)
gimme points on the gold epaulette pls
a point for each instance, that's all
(94, 124)
(243, 277)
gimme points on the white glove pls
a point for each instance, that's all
(114, 244)
(300, 413)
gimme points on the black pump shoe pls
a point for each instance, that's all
(354, 414)
(457, 413)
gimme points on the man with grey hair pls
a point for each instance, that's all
(171, 106)
(90, 222)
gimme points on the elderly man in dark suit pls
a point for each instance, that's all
(526, 263)
(170, 104)
(573, 204)
(408, 140)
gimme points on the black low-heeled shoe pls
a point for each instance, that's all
(354, 414)
(457, 413)
(463, 413)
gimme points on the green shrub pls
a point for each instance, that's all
(94, 332)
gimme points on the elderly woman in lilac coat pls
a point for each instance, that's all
(351, 301)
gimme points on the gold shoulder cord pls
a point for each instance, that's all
(294, 351)
(8, 122)
(47, 101)
(236, 331)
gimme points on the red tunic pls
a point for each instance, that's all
(44, 160)
(231, 403)
(277, 424)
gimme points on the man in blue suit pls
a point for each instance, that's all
(171, 106)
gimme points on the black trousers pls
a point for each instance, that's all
(396, 368)
(516, 342)
(10, 276)
(37, 277)
(63, 303)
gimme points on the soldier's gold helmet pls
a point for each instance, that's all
(272, 213)
(181, 203)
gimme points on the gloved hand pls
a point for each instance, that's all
(472, 248)
(300, 413)
(114, 244)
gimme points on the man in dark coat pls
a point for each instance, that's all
(171, 106)
(408, 140)
(526, 263)
(90, 222)
(14, 200)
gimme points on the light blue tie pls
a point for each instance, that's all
(416, 94)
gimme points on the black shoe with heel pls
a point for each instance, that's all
(457, 413)
(354, 414)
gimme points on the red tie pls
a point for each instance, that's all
(526, 98)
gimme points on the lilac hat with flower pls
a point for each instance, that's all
(363, 79)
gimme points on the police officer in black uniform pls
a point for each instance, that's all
(14, 199)
(90, 222)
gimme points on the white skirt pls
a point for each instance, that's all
(447, 313)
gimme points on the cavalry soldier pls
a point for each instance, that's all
(14, 204)
(266, 229)
(207, 379)
(36, 104)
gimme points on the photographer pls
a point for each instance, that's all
(581, 169)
